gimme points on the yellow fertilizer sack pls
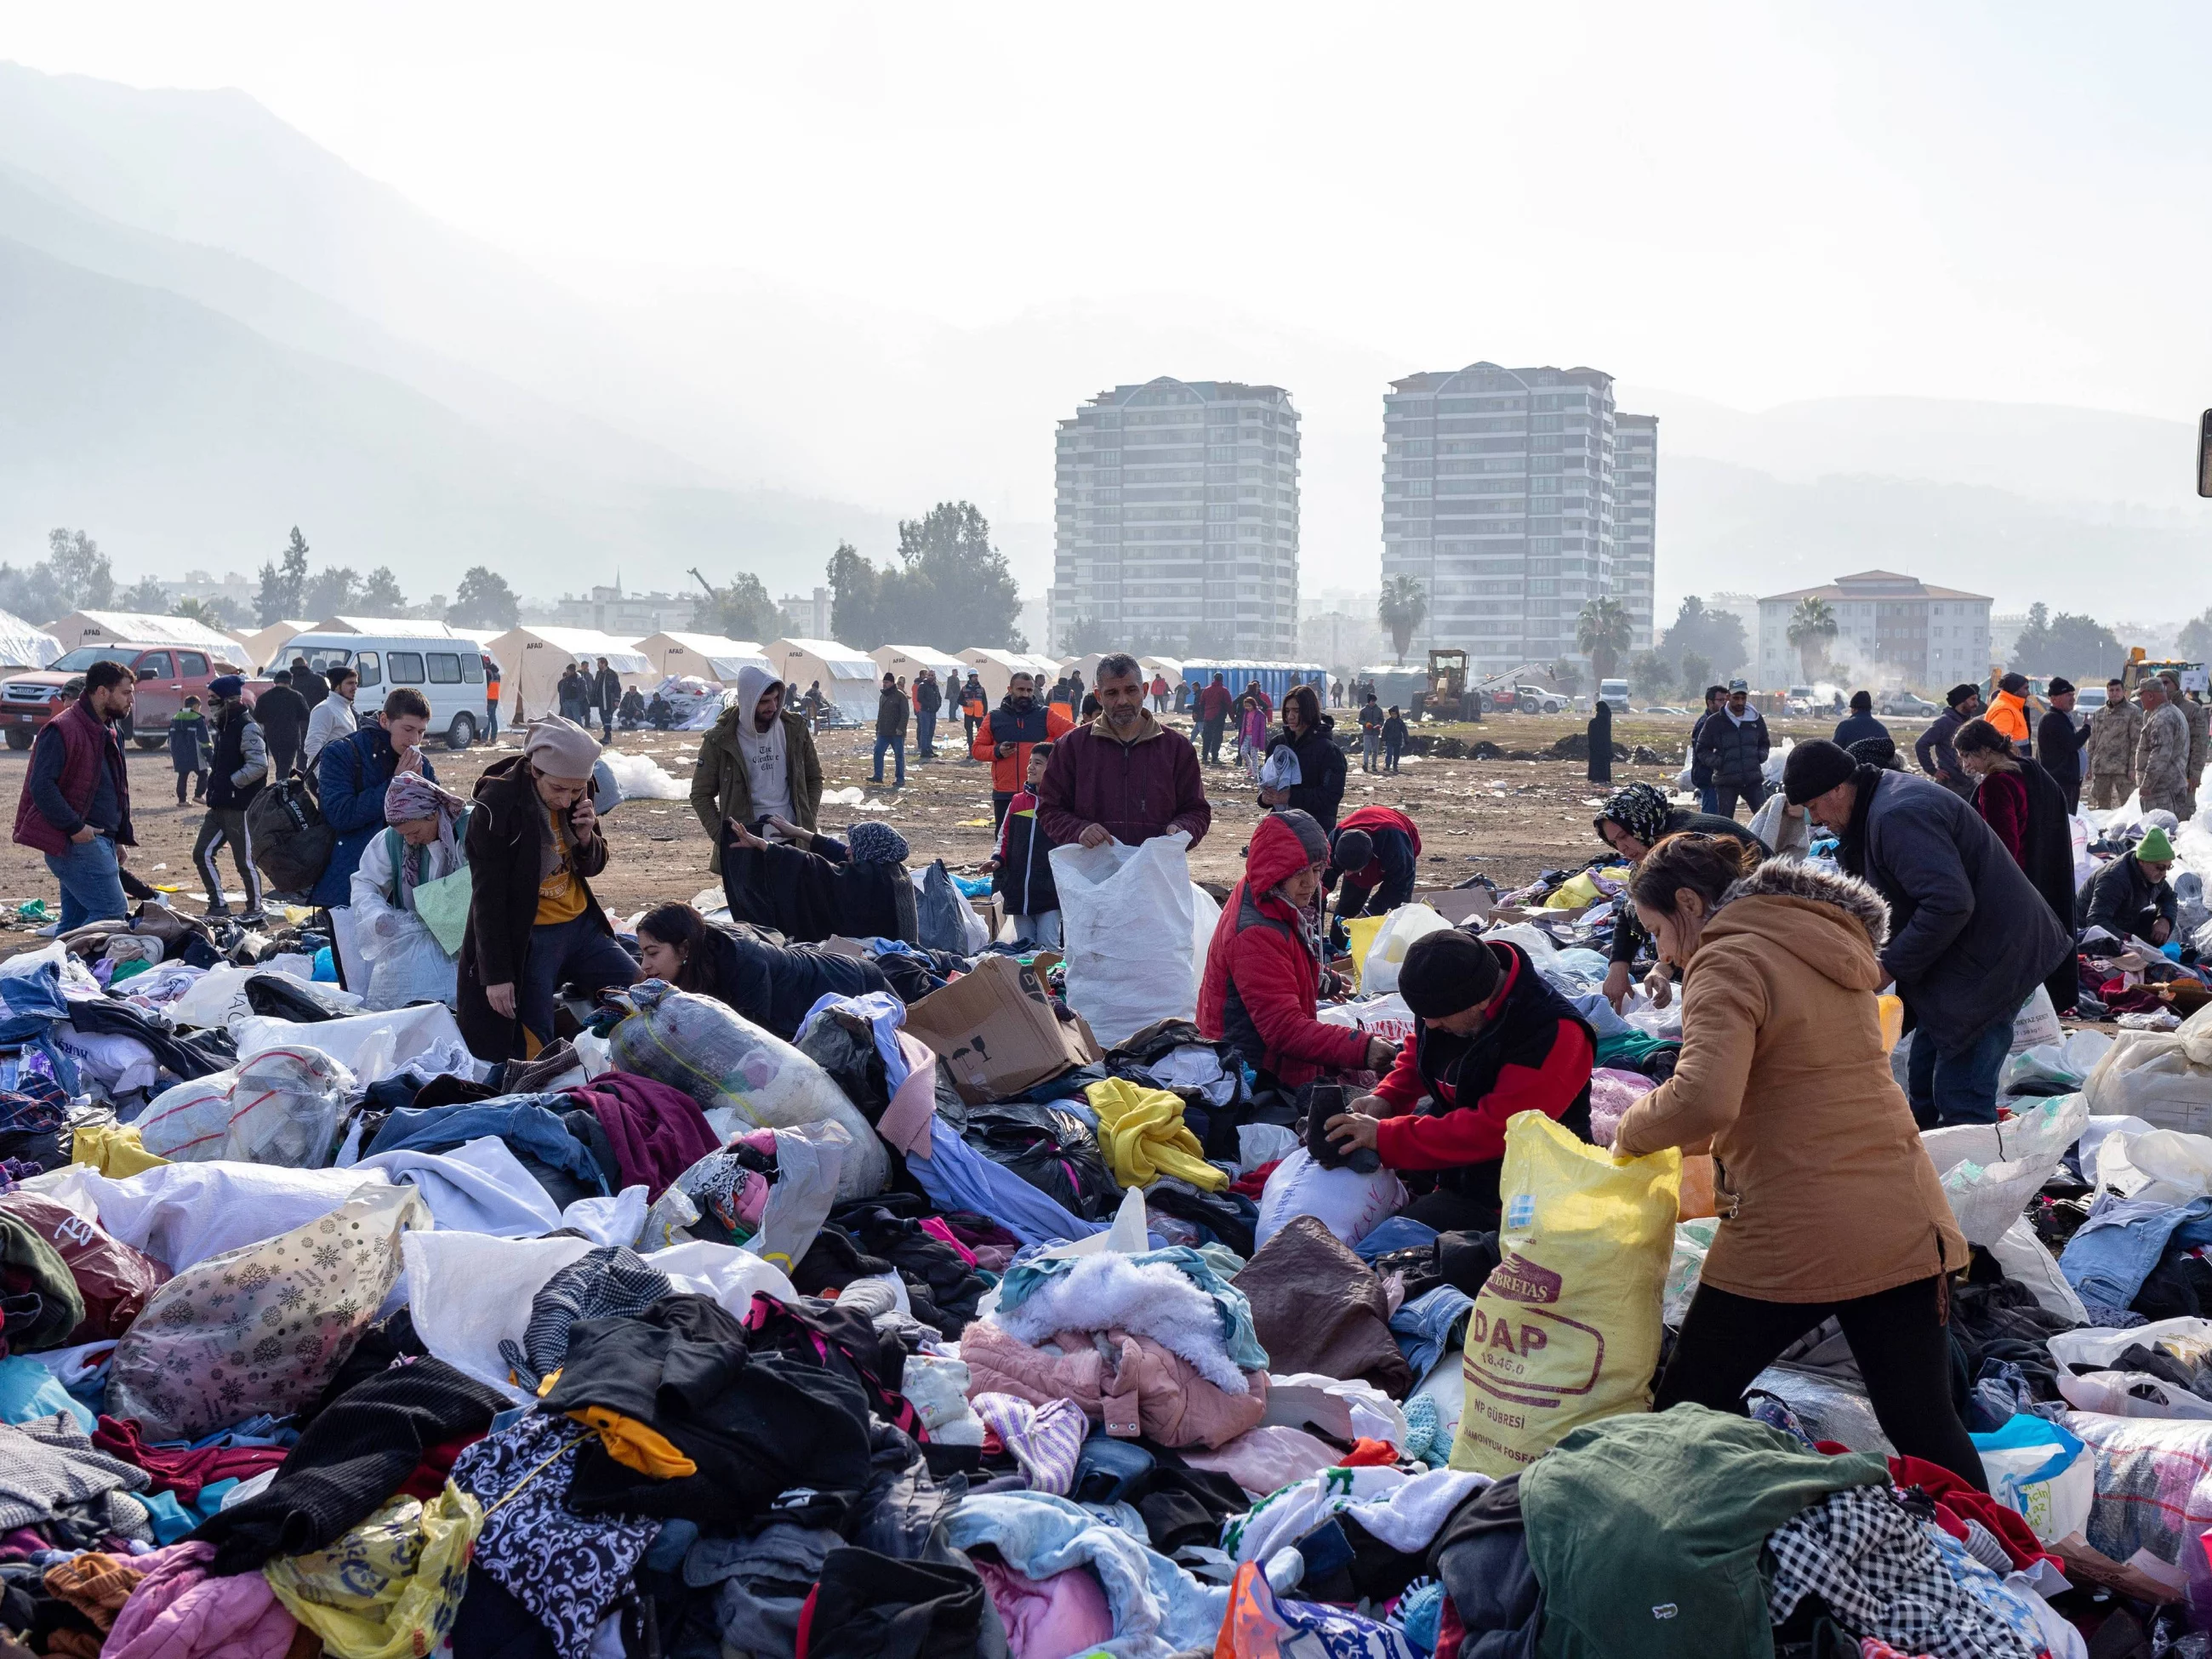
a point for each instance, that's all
(1362, 930)
(1567, 1330)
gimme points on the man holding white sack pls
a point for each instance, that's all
(1125, 776)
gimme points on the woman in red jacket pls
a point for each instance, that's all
(1263, 966)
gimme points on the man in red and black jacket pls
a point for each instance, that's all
(1375, 852)
(1491, 1037)
(75, 806)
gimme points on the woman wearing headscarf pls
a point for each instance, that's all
(1262, 984)
(534, 842)
(1635, 820)
(419, 846)
(774, 986)
(811, 887)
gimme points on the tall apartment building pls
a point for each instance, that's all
(1500, 495)
(1178, 517)
(1635, 477)
(1889, 628)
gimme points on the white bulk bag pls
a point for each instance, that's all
(1129, 929)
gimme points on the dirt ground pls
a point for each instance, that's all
(1507, 819)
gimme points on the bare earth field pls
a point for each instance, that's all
(1507, 819)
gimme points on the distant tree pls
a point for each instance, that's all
(213, 612)
(1402, 609)
(1565, 676)
(1717, 636)
(1651, 675)
(331, 593)
(146, 597)
(743, 611)
(484, 600)
(380, 596)
(1812, 625)
(75, 575)
(283, 582)
(952, 588)
(2080, 647)
(1696, 670)
(2196, 639)
(1085, 634)
(1603, 633)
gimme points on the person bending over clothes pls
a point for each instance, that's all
(1636, 819)
(1375, 852)
(1491, 1037)
(1829, 1205)
(406, 961)
(1263, 966)
(2129, 897)
(771, 985)
(811, 887)
(534, 842)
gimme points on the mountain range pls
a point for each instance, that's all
(213, 329)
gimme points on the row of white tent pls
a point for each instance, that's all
(532, 657)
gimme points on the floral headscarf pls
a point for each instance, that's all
(1638, 808)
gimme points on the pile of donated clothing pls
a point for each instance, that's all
(687, 1340)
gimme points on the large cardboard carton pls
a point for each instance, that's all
(996, 1031)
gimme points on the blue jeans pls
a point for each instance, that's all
(578, 950)
(890, 745)
(925, 730)
(92, 891)
(1709, 799)
(1957, 1085)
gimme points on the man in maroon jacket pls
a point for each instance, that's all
(76, 806)
(1214, 703)
(1124, 777)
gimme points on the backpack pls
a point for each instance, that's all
(291, 843)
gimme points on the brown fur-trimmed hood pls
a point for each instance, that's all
(1834, 923)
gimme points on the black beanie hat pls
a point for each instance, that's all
(1354, 849)
(1959, 694)
(2059, 686)
(1446, 972)
(1813, 769)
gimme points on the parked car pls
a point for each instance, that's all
(451, 671)
(1538, 699)
(1907, 704)
(167, 674)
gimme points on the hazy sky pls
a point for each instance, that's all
(1748, 203)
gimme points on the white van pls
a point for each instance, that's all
(454, 673)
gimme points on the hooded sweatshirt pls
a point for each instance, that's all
(1262, 979)
(1783, 1066)
(768, 772)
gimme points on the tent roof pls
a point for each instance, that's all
(842, 661)
(25, 646)
(585, 642)
(143, 626)
(405, 627)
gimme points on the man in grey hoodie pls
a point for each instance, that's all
(757, 762)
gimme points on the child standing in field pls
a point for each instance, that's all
(1252, 734)
(1394, 739)
(1021, 867)
(188, 749)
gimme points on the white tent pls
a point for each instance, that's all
(22, 646)
(907, 660)
(849, 678)
(262, 645)
(533, 659)
(142, 628)
(709, 656)
(994, 668)
(418, 628)
(1168, 668)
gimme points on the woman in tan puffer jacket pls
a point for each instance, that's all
(1829, 1205)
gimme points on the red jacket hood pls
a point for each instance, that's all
(1281, 847)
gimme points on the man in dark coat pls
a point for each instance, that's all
(2059, 743)
(1932, 748)
(1214, 703)
(282, 714)
(891, 729)
(1733, 743)
(606, 692)
(312, 686)
(1124, 777)
(1971, 937)
(1860, 723)
(2130, 897)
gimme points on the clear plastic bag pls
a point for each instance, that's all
(1990, 1170)
(262, 1328)
(1378, 972)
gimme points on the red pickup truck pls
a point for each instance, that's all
(167, 674)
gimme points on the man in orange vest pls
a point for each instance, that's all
(2008, 712)
(1013, 728)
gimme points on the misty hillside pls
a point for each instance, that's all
(218, 328)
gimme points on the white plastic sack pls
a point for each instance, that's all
(2163, 1077)
(2049, 1476)
(2189, 1340)
(742, 1076)
(285, 1107)
(1378, 970)
(2061, 1067)
(1388, 1017)
(2036, 1025)
(263, 1328)
(2131, 1394)
(109, 1063)
(408, 966)
(183, 1213)
(2025, 1260)
(370, 1046)
(1990, 1170)
(1205, 916)
(2163, 1165)
(1129, 931)
(1539, 945)
(1347, 1203)
(220, 994)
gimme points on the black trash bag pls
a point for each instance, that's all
(291, 843)
(844, 1045)
(278, 996)
(1049, 1147)
(937, 916)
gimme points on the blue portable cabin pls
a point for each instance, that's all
(1276, 678)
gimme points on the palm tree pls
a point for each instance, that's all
(1812, 625)
(1603, 633)
(1402, 609)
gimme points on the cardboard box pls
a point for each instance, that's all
(1458, 904)
(996, 1031)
